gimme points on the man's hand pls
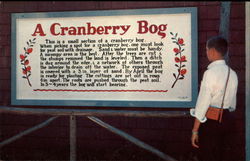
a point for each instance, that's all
(195, 136)
(195, 139)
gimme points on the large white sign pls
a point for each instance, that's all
(105, 58)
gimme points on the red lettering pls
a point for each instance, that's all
(91, 29)
(143, 27)
(39, 30)
(153, 29)
(114, 29)
(162, 28)
(106, 29)
(100, 30)
(72, 31)
(81, 31)
(52, 29)
(63, 29)
(56, 29)
(125, 29)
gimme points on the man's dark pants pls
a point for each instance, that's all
(213, 137)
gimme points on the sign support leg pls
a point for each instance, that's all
(132, 139)
(72, 137)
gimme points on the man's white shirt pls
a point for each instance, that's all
(212, 90)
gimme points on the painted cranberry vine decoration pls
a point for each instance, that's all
(180, 59)
(26, 69)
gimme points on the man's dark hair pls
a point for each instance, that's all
(219, 43)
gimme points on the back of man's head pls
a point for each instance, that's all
(219, 44)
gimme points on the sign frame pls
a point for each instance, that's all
(112, 103)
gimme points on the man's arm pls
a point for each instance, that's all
(201, 107)
(195, 136)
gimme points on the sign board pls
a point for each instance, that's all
(128, 58)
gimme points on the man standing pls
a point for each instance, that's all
(208, 135)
